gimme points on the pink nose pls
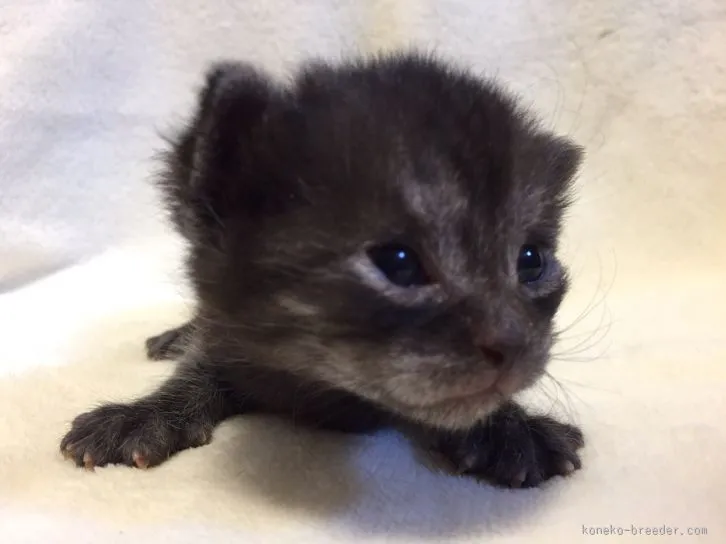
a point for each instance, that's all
(494, 345)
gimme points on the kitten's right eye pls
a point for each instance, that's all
(400, 264)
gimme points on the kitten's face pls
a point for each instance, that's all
(413, 261)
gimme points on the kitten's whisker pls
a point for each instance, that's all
(596, 336)
(598, 298)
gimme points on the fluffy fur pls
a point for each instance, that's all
(281, 188)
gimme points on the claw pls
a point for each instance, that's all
(518, 480)
(467, 463)
(88, 461)
(139, 460)
(567, 467)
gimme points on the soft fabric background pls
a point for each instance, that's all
(88, 269)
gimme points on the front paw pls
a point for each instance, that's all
(513, 449)
(131, 434)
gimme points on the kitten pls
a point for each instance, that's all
(372, 244)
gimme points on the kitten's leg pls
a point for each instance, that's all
(511, 448)
(169, 344)
(181, 414)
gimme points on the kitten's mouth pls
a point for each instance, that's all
(487, 388)
(460, 403)
(484, 396)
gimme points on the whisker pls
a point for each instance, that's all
(599, 298)
(593, 338)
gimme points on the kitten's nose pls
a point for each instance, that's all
(494, 346)
(492, 354)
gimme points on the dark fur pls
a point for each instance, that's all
(280, 188)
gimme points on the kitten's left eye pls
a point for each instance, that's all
(530, 263)
(400, 264)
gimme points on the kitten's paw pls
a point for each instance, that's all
(514, 450)
(130, 434)
(167, 345)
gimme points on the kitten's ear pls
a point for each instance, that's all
(211, 170)
(231, 110)
(565, 158)
(556, 159)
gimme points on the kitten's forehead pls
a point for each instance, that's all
(439, 208)
(435, 203)
(466, 218)
(472, 226)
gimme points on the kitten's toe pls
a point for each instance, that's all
(139, 460)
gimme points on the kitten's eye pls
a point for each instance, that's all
(400, 264)
(530, 264)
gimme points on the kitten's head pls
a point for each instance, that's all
(388, 227)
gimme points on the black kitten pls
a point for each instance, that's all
(371, 244)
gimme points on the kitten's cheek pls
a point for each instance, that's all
(518, 379)
(510, 383)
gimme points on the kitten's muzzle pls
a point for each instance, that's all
(493, 355)
(499, 347)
